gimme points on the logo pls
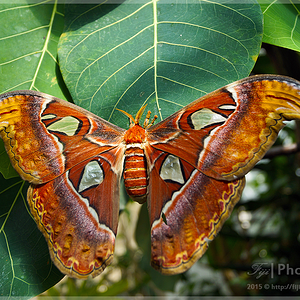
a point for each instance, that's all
(271, 269)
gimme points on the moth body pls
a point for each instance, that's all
(135, 165)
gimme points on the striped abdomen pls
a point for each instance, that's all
(135, 174)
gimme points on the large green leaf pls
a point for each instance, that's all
(281, 23)
(162, 53)
(28, 41)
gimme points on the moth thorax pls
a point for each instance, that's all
(135, 134)
(135, 174)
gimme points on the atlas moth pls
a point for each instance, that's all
(190, 168)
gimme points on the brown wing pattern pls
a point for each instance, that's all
(77, 218)
(74, 161)
(218, 139)
(44, 136)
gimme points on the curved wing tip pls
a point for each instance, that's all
(183, 267)
(82, 275)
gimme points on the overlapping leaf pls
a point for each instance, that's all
(156, 52)
(281, 23)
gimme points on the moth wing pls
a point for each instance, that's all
(226, 132)
(74, 161)
(45, 136)
(197, 159)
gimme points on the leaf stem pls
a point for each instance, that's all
(155, 53)
(45, 45)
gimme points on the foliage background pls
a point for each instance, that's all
(109, 55)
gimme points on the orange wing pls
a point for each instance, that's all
(74, 161)
(45, 136)
(197, 159)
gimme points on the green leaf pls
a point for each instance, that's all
(281, 24)
(6, 168)
(26, 268)
(29, 35)
(165, 54)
